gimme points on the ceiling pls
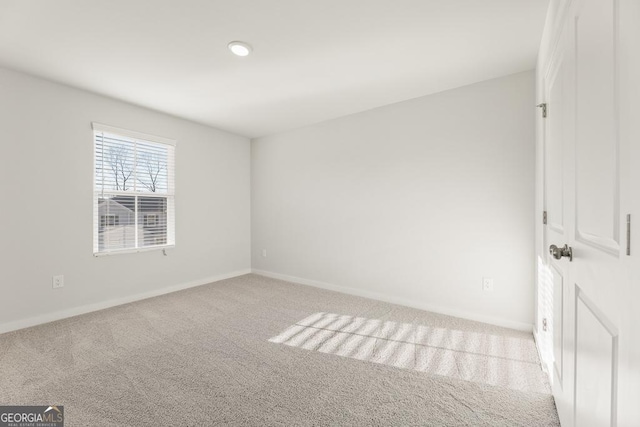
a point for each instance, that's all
(313, 60)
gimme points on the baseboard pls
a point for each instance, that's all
(76, 311)
(521, 326)
(543, 364)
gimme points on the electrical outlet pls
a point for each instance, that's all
(264, 253)
(57, 282)
(487, 284)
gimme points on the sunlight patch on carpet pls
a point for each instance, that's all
(498, 360)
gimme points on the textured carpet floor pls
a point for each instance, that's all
(258, 351)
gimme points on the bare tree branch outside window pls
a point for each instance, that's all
(150, 170)
(119, 158)
(153, 165)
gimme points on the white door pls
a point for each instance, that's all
(559, 230)
(590, 143)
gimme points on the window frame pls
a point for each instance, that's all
(99, 128)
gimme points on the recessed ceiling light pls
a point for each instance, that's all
(240, 48)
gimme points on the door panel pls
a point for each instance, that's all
(596, 154)
(596, 365)
(554, 172)
(558, 325)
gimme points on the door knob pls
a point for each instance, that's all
(558, 253)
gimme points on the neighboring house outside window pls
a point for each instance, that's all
(133, 192)
(109, 220)
(150, 220)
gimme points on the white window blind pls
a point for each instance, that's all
(133, 202)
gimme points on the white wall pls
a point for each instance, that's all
(413, 202)
(46, 212)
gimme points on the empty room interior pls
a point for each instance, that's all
(320, 212)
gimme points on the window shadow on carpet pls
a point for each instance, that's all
(490, 358)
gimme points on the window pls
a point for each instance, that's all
(150, 220)
(109, 220)
(134, 191)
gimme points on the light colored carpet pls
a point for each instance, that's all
(259, 351)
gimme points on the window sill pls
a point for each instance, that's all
(133, 251)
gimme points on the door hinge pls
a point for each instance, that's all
(628, 234)
(544, 217)
(545, 325)
(544, 109)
